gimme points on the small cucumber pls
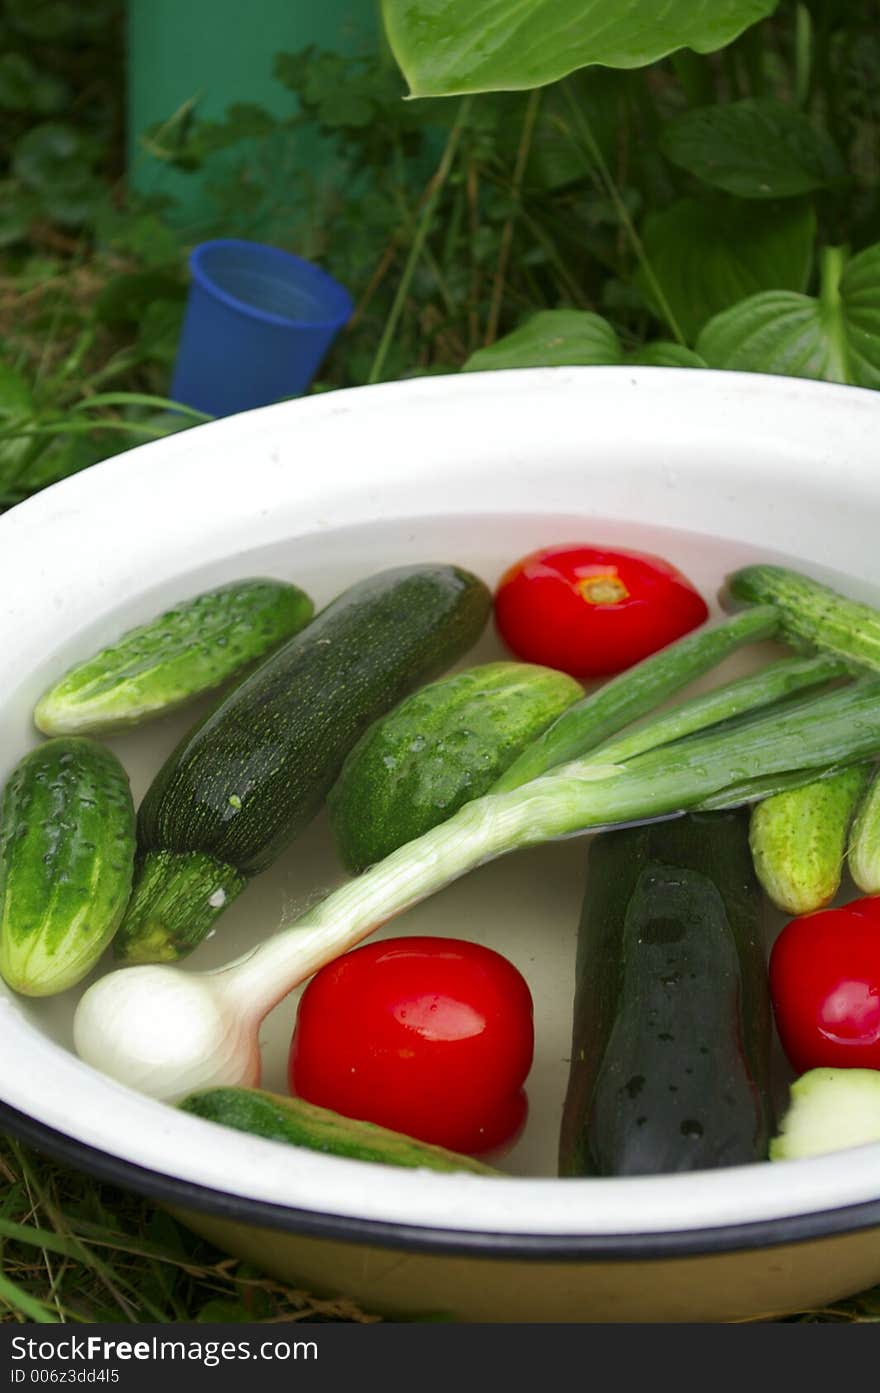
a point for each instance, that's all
(670, 1059)
(67, 837)
(812, 614)
(183, 653)
(438, 749)
(798, 839)
(863, 853)
(298, 1123)
(254, 772)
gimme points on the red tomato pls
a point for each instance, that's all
(590, 611)
(825, 985)
(432, 1037)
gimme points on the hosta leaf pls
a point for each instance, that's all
(662, 354)
(757, 148)
(551, 338)
(709, 254)
(835, 336)
(453, 46)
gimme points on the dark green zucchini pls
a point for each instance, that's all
(298, 1123)
(66, 861)
(671, 1042)
(255, 771)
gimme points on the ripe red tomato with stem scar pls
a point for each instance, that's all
(593, 611)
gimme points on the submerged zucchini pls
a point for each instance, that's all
(66, 861)
(812, 614)
(438, 749)
(241, 784)
(798, 839)
(299, 1123)
(671, 1040)
(184, 652)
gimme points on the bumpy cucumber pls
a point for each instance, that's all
(67, 838)
(298, 1123)
(241, 785)
(798, 839)
(863, 853)
(670, 1062)
(438, 749)
(812, 614)
(186, 651)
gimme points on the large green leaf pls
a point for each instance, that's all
(551, 338)
(663, 354)
(835, 336)
(753, 148)
(574, 338)
(453, 46)
(708, 254)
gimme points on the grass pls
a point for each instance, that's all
(76, 1251)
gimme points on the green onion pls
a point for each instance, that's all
(634, 693)
(736, 700)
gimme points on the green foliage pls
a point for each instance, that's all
(617, 216)
(709, 252)
(551, 338)
(58, 148)
(448, 47)
(834, 336)
(77, 1251)
(756, 148)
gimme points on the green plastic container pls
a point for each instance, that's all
(222, 52)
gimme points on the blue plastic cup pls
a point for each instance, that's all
(258, 324)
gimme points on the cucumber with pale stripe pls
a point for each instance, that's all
(67, 840)
(297, 1123)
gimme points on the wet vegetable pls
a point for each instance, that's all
(432, 1037)
(593, 611)
(297, 1123)
(441, 747)
(176, 657)
(670, 1059)
(66, 863)
(238, 788)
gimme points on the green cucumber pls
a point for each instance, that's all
(67, 839)
(253, 773)
(670, 1054)
(812, 614)
(863, 852)
(798, 839)
(829, 1109)
(298, 1123)
(171, 660)
(438, 749)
